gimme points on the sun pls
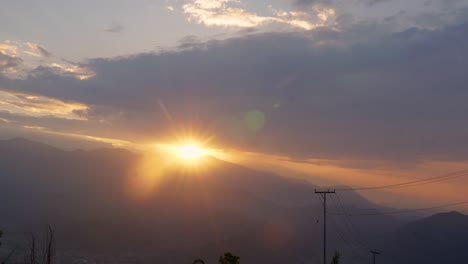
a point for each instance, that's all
(190, 151)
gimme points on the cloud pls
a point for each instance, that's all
(360, 93)
(20, 60)
(8, 48)
(373, 2)
(57, 132)
(82, 137)
(9, 64)
(308, 2)
(63, 68)
(20, 49)
(116, 27)
(334, 2)
(36, 50)
(397, 14)
(37, 105)
(224, 13)
(334, 14)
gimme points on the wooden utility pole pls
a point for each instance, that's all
(324, 196)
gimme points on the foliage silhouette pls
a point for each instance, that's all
(228, 258)
(336, 258)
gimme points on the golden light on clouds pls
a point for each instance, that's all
(38, 106)
(76, 71)
(9, 48)
(223, 13)
(119, 143)
(29, 56)
(325, 14)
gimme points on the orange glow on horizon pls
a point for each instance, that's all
(187, 158)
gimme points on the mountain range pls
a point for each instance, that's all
(116, 205)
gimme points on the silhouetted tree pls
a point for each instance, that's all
(49, 250)
(228, 258)
(198, 261)
(336, 258)
(12, 252)
(32, 249)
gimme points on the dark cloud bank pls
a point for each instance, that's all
(360, 93)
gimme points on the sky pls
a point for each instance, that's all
(372, 89)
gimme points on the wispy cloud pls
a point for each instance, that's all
(65, 69)
(115, 27)
(18, 60)
(170, 8)
(36, 105)
(18, 48)
(114, 142)
(228, 13)
(36, 50)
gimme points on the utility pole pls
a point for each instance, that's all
(324, 196)
(374, 253)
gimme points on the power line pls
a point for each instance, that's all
(353, 231)
(348, 230)
(439, 178)
(347, 225)
(354, 247)
(347, 240)
(353, 227)
(404, 211)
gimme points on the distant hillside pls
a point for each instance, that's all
(192, 213)
(441, 238)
